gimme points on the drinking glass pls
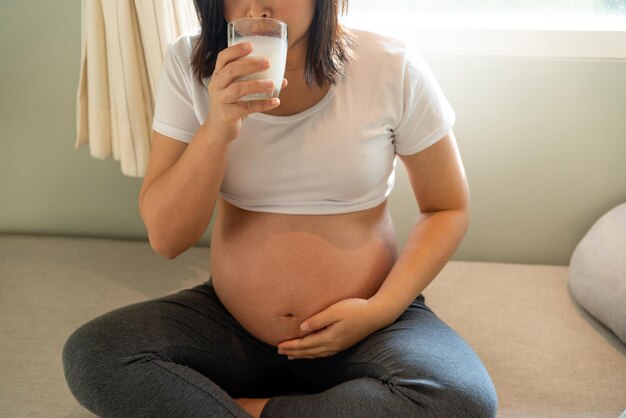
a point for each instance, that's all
(269, 39)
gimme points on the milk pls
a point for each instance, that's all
(276, 50)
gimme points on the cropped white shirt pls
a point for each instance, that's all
(335, 157)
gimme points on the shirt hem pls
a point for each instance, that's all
(298, 208)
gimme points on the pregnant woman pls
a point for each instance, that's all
(310, 310)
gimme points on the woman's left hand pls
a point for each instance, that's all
(334, 329)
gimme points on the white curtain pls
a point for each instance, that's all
(123, 45)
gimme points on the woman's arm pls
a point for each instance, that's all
(438, 180)
(182, 181)
(179, 190)
(439, 184)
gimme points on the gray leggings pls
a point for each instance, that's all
(184, 355)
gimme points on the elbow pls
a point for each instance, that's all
(164, 248)
(162, 245)
(465, 221)
(169, 255)
(167, 240)
(461, 217)
(461, 213)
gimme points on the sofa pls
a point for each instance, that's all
(546, 355)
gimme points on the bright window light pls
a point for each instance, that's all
(535, 28)
(602, 7)
(513, 14)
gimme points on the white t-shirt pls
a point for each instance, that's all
(335, 157)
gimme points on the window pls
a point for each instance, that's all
(605, 7)
(537, 28)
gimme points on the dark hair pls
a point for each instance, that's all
(328, 43)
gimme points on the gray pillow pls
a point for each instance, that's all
(597, 274)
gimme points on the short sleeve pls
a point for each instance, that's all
(427, 116)
(174, 114)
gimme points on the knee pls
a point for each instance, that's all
(476, 399)
(78, 360)
(87, 359)
(480, 401)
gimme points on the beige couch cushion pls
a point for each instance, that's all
(547, 357)
(49, 287)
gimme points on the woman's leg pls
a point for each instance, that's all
(182, 355)
(416, 367)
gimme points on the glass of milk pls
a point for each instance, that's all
(269, 39)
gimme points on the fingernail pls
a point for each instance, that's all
(304, 326)
(264, 62)
(290, 357)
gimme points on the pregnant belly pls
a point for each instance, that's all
(271, 275)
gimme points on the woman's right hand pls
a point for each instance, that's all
(226, 111)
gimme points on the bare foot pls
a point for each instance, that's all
(253, 406)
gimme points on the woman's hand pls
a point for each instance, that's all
(226, 112)
(336, 328)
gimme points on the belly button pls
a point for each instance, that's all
(288, 315)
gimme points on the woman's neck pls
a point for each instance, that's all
(298, 96)
(296, 57)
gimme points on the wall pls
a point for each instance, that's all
(544, 146)
(543, 142)
(46, 186)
